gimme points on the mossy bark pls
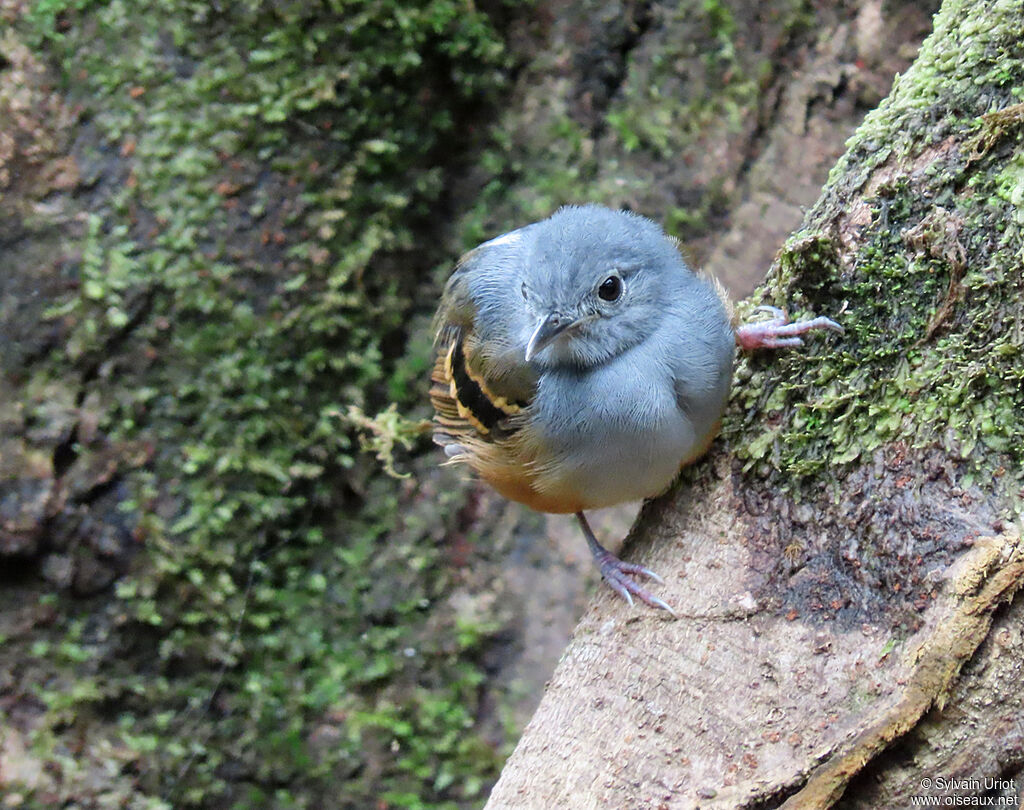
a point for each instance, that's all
(845, 561)
(217, 232)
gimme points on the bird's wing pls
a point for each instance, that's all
(481, 385)
(702, 358)
(467, 409)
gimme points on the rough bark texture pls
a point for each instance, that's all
(846, 560)
(738, 124)
(217, 672)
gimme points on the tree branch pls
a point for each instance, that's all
(840, 556)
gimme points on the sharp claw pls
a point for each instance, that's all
(621, 590)
(661, 603)
(647, 572)
(780, 314)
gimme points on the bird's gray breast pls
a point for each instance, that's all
(616, 430)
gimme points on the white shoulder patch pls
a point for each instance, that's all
(509, 238)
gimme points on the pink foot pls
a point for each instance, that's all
(616, 572)
(778, 332)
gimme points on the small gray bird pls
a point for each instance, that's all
(581, 364)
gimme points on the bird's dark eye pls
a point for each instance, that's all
(610, 289)
(523, 291)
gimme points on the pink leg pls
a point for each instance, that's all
(616, 572)
(778, 332)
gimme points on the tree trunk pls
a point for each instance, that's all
(844, 563)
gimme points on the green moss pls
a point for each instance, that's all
(692, 87)
(932, 354)
(260, 179)
(695, 86)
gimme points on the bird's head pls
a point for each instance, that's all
(593, 285)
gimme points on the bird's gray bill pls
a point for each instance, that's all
(547, 330)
